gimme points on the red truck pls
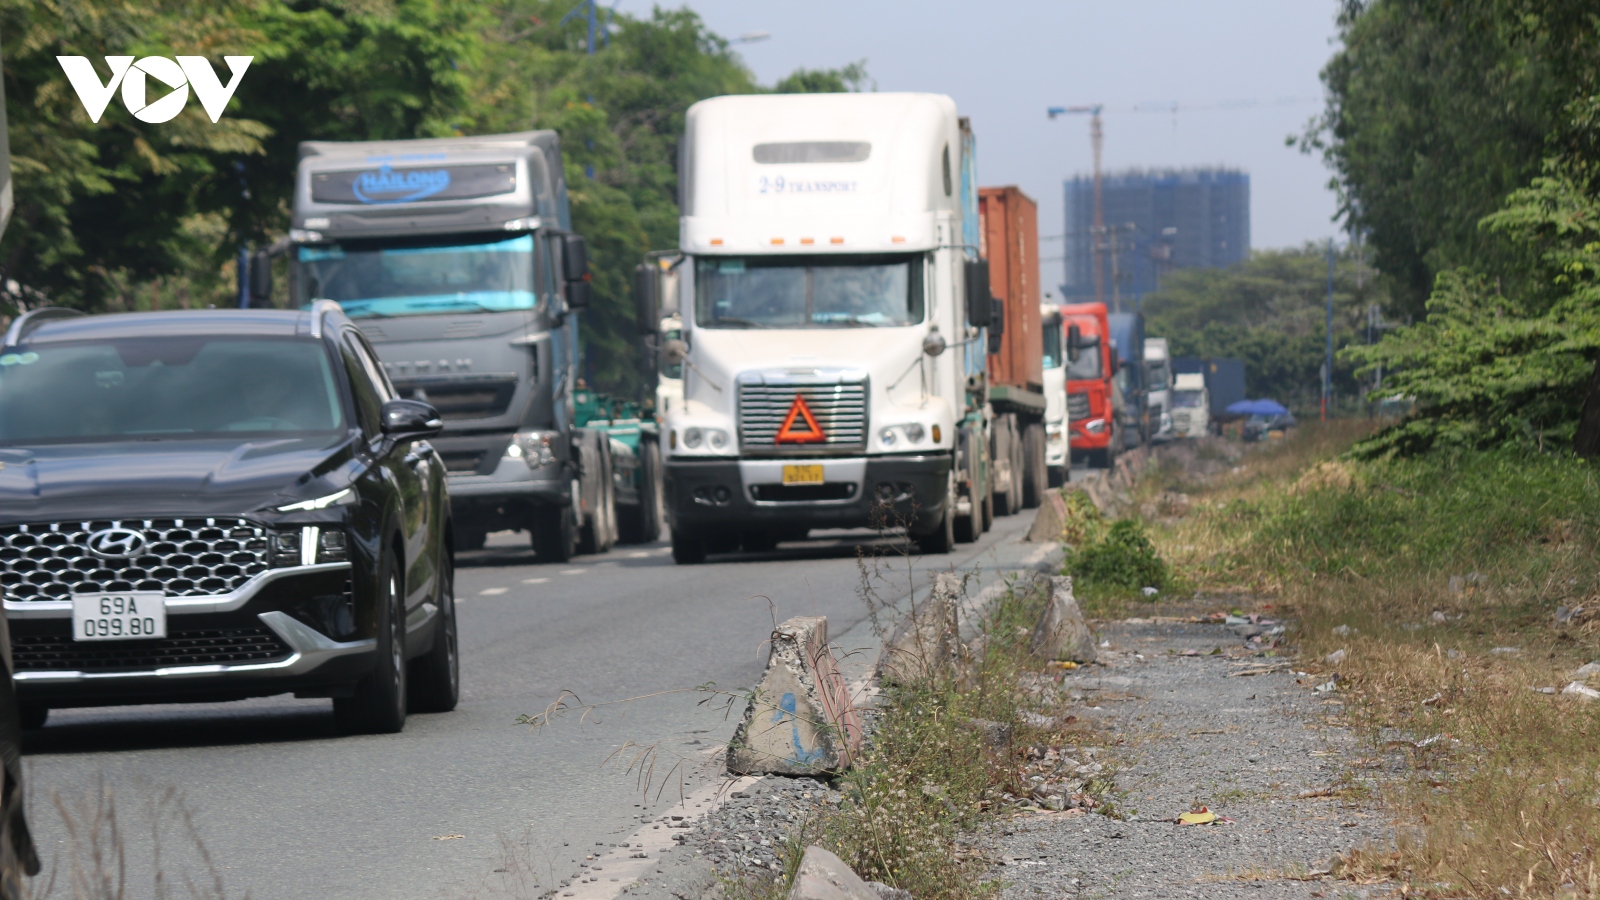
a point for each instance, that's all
(1009, 239)
(1092, 398)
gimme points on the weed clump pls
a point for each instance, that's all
(1122, 560)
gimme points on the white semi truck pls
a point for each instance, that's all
(1158, 388)
(1057, 456)
(828, 331)
(1191, 406)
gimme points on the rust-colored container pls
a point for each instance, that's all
(1008, 229)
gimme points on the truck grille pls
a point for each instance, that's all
(839, 408)
(181, 558)
(200, 647)
(1078, 406)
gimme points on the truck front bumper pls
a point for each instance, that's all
(857, 492)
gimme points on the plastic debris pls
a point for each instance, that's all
(1435, 700)
(1587, 670)
(1541, 690)
(1336, 657)
(1344, 630)
(1507, 651)
(1202, 816)
(1149, 591)
(1066, 664)
(1439, 618)
(1581, 691)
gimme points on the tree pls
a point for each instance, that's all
(846, 79)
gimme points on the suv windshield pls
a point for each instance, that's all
(167, 387)
(369, 279)
(808, 291)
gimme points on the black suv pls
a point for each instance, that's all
(212, 505)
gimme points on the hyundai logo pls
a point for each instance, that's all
(116, 543)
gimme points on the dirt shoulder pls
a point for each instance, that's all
(1262, 750)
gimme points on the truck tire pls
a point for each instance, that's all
(555, 533)
(378, 705)
(688, 549)
(1034, 477)
(942, 539)
(968, 527)
(1006, 496)
(597, 532)
(641, 523)
(435, 678)
(471, 540)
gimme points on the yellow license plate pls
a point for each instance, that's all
(802, 474)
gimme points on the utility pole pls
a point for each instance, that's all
(1327, 365)
(589, 6)
(1097, 141)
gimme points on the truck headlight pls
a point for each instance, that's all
(887, 437)
(914, 433)
(716, 438)
(533, 448)
(693, 437)
(1095, 426)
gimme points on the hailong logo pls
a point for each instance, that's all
(133, 77)
(388, 186)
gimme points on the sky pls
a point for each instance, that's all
(1006, 63)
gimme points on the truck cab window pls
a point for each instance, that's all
(1088, 364)
(863, 291)
(374, 278)
(1052, 344)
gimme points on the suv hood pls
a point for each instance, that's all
(158, 478)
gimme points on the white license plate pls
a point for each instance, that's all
(130, 615)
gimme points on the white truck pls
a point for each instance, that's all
(1158, 388)
(828, 329)
(1057, 456)
(1191, 406)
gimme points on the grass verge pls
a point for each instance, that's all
(1452, 599)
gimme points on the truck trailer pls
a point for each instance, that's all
(833, 307)
(456, 259)
(1009, 228)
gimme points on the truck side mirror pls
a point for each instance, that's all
(997, 325)
(979, 305)
(260, 279)
(646, 299)
(1074, 342)
(579, 294)
(574, 258)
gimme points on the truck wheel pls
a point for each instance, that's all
(1004, 483)
(688, 549)
(1033, 467)
(555, 534)
(943, 538)
(988, 510)
(471, 540)
(641, 524)
(436, 675)
(378, 705)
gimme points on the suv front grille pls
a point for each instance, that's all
(1078, 406)
(181, 558)
(200, 647)
(840, 409)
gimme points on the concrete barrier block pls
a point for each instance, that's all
(801, 720)
(1049, 521)
(1062, 632)
(823, 876)
(929, 639)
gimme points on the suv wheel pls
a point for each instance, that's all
(32, 715)
(435, 677)
(379, 703)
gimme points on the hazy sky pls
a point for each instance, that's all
(1005, 63)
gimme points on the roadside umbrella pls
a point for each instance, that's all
(1262, 407)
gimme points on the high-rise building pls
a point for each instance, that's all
(1155, 221)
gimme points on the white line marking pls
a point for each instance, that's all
(573, 571)
(641, 554)
(490, 592)
(534, 580)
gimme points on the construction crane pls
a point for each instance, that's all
(1096, 140)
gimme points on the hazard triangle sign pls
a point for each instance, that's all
(799, 426)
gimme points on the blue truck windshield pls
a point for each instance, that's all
(808, 291)
(411, 280)
(166, 388)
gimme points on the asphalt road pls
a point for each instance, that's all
(284, 807)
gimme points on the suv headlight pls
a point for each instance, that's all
(308, 545)
(337, 498)
(533, 448)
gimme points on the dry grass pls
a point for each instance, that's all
(1420, 571)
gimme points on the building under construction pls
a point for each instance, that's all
(1155, 221)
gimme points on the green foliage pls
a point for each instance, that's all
(1437, 110)
(1269, 311)
(1123, 560)
(852, 77)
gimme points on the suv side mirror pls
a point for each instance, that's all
(1074, 343)
(979, 300)
(574, 257)
(261, 279)
(409, 420)
(646, 299)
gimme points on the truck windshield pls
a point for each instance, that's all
(1052, 344)
(808, 291)
(1157, 375)
(1187, 399)
(1088, 364)
(167, 388)
(412, 279)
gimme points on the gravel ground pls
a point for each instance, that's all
(1180, 733)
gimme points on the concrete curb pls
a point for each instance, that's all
(801, 720)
